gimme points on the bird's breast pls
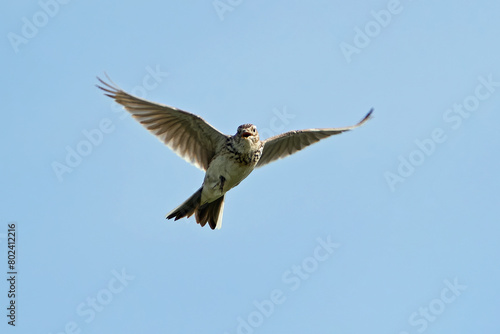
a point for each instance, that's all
(227, 170)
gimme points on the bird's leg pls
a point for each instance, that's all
(222, 181)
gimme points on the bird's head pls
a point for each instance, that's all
(247, 136)
(248, 132)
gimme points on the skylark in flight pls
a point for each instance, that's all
(226, 159)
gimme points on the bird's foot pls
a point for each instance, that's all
(222, 181)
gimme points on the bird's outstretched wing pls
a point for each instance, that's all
(288, 143)
(188, 135)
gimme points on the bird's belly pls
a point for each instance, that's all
(222, 175)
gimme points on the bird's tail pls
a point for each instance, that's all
(211, 213)
(208, 212)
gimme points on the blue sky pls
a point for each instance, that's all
(391, 228)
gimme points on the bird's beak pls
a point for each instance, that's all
(246, 134)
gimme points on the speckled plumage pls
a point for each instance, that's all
(227, 160)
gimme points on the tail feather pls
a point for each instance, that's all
(208, 212)
(211, 213)
(187, 208)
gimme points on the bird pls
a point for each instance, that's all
(226, 159)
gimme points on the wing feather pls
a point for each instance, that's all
(188, 135)
(288, 143)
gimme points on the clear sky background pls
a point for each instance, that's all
(391, 228)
